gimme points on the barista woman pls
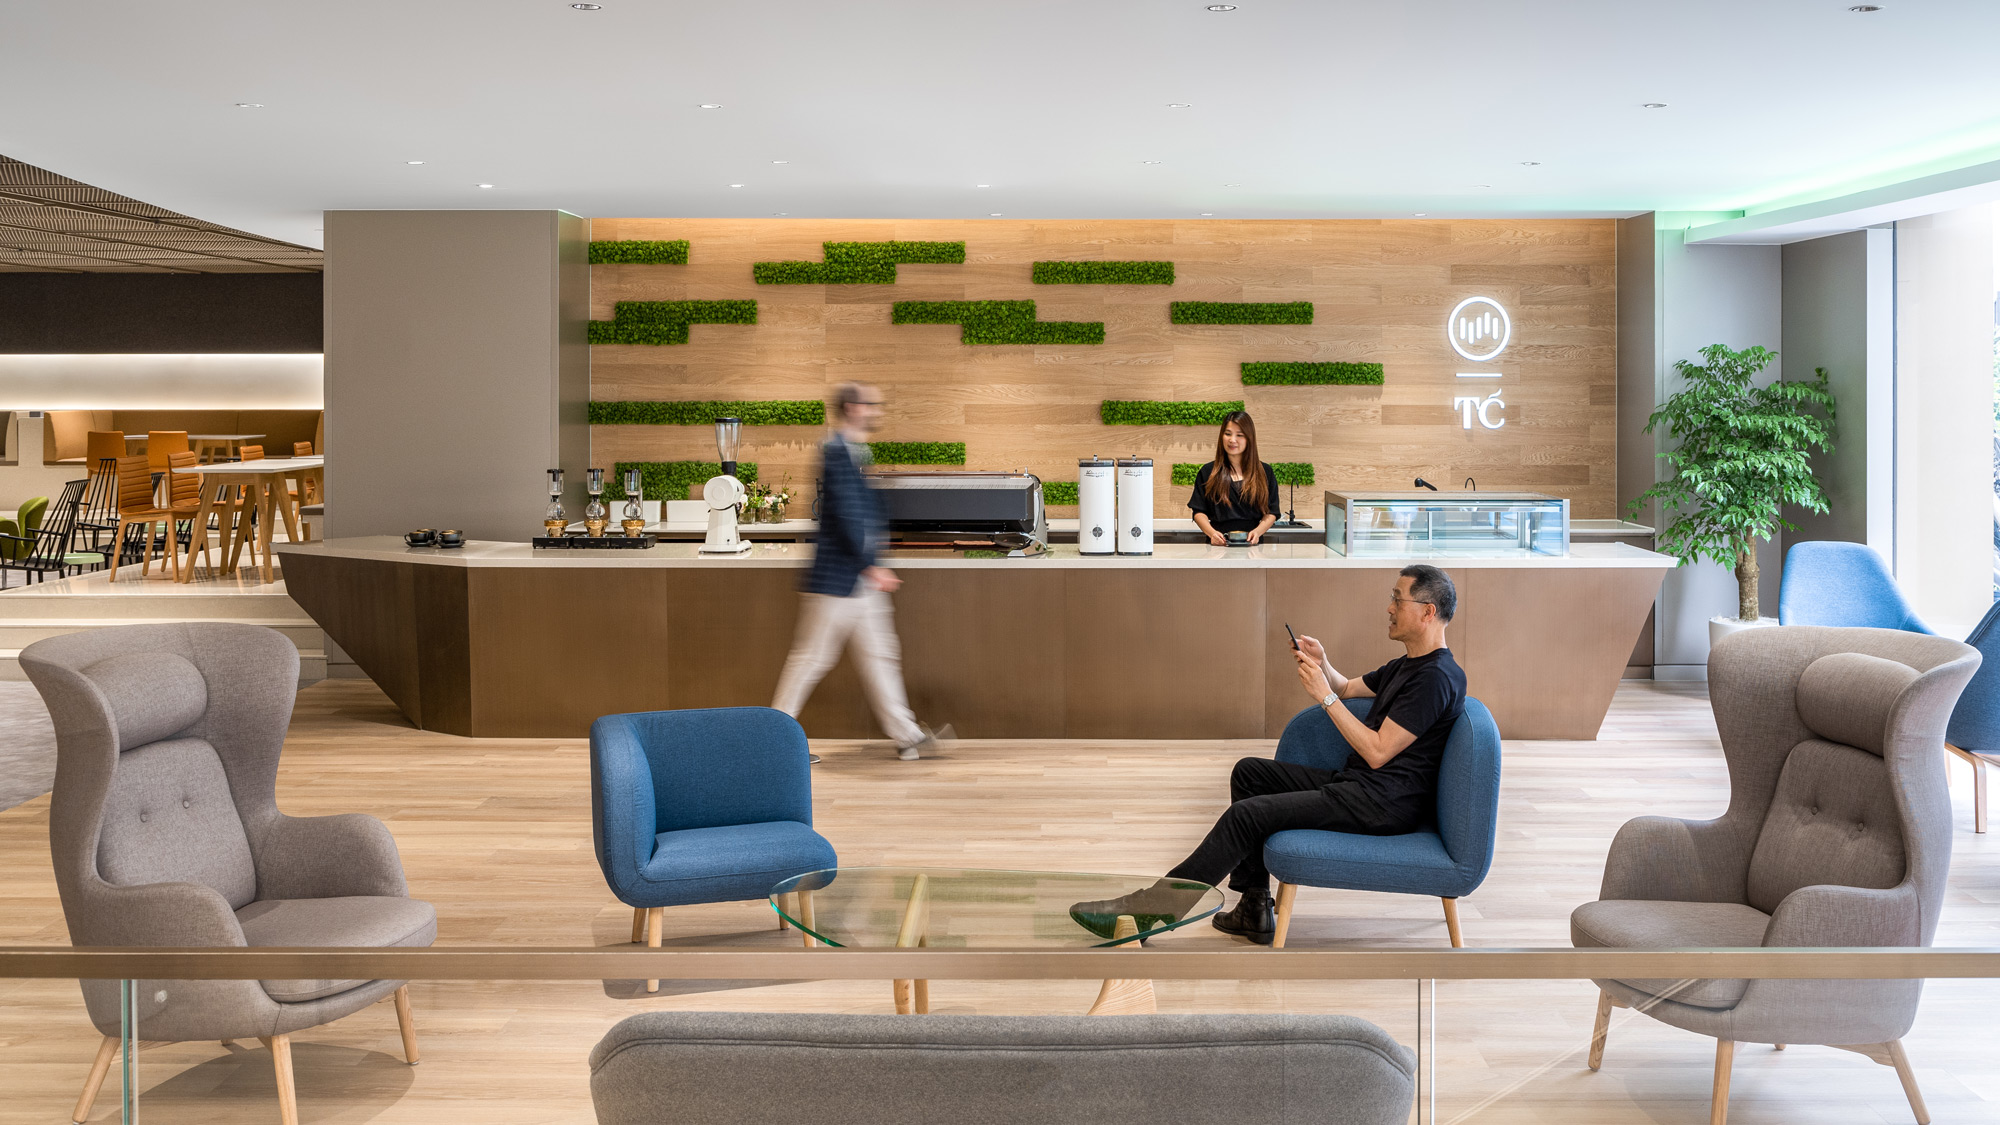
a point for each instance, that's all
(1236, 491)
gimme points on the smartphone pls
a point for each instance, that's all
(1294, 636)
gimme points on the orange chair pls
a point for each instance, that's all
(184, 503)
(304, 449)
(136, 509)
(162, 444)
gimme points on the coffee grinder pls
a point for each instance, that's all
(725, 494)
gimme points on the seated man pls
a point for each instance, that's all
(1388, 785)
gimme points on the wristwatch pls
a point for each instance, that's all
(1332, 697)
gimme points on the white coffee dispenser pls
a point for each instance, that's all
(1135, 505)
(1096, 506)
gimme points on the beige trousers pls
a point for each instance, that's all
(826, 624)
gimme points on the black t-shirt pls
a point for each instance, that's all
(1233, 514)
(1425, 695)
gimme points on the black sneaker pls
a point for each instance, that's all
(1251, 918)
(1157, 905)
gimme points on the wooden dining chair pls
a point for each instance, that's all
(137, 509)
(311, 494)
(162, 444)
(184, 504)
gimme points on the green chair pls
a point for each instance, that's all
(22, 526)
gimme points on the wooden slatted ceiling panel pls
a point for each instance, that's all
(1380, 290)
(53, 224)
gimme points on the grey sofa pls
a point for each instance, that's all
(165, 831)
(728, 1068)
(1838, 833)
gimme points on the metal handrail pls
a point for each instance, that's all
(712, 963)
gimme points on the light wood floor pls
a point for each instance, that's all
(497, 835)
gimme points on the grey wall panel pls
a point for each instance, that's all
(450, 368)
(1838, 315)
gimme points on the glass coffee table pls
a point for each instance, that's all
(970, 908)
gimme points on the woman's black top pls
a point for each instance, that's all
(1232, 514)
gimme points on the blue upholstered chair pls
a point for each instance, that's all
(1449, 862)
(1842, 584)
(1974, 733)
(711, 805)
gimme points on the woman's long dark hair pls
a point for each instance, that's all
(1256, 496)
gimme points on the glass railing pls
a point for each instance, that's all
(508, 1033)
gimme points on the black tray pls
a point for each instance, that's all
(599, 543)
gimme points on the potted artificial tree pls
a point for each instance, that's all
(1741, 456)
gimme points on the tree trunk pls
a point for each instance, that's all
(1746, 582)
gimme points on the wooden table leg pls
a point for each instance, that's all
(267, 513)
(283, 490)
(906, 938)
(241, 532)
(201, 514)
(1125, 997)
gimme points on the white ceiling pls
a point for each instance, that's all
(1321, 108)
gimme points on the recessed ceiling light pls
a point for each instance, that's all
(413, 162)
(711, 105)
(1418, 215)
(1149, 162)
(735, 185)
(486, 185)
(781, 162)
(1179, 105)
(1232, 185)
(1222, 7)
(586, 7)
(982, 185)
(249, 105)
(1208, 214)
(993, 215)
(1531, 164)
(781, 213)
(1653, 105)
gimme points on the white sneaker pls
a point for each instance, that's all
(929, 741)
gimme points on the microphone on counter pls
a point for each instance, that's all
(1422, 483)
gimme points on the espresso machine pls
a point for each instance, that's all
(725, 494)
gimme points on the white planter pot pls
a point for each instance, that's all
(1720, 627)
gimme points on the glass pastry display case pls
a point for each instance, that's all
(1419, 524)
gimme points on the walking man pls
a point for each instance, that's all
(845, 596)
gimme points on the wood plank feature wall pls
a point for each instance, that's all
(1380, 291)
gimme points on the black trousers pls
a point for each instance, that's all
(1267, 797)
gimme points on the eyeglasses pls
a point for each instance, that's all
(1396, 598)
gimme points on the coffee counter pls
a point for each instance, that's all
(501, 640)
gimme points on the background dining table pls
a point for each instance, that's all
(262, 500)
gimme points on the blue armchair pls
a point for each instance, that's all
(1842, 584)
(1449, 862)
(1974, 731)
(711, 805)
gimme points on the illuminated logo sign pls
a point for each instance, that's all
(1478, 329)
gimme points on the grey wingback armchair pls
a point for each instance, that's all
(165, 831)
(1838, 833)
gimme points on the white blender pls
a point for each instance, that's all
(725, 494)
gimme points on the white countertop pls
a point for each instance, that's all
(479, 553)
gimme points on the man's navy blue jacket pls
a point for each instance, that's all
(851, 524)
